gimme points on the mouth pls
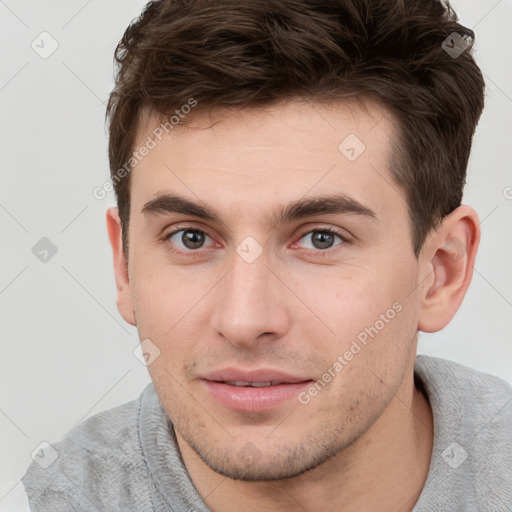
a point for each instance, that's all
(241, 384)
(253, 391)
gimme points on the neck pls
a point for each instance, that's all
(385, 469)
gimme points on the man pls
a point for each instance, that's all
(289, 177)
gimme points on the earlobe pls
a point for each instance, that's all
(124, 298)
(453, 251)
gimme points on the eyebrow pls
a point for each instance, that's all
(302, 208)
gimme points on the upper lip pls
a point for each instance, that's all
(257, 375)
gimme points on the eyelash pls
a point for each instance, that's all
(311, 252)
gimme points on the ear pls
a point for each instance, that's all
(124, 297)
(449, 255)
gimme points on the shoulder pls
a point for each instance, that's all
(96, 457)
(453, 380)
(471, 464)
(474, 401)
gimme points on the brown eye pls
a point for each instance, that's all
(191, 239)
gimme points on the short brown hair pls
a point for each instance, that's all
(232, 53)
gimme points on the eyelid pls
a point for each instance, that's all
(326, 228)
(185, 227)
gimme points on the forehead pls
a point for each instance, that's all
(279, 119)
(258, 156)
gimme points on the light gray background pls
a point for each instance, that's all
(65, 351)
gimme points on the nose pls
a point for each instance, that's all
(251, 304)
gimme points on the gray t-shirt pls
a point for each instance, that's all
(127, 459)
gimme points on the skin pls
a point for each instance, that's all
(364, 442)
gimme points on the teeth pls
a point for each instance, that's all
(252, 384)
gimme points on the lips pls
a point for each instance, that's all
(253, 390)
(249, 376)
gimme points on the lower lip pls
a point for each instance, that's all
(252, 399)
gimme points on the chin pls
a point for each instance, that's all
(276, 461)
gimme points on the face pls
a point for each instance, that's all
(276, 324)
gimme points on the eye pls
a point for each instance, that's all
(190, 241)
(323, 239)
(190, 238)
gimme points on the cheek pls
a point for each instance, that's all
(372, 323)
(171, 309)
(353, 304)
(161, 293)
